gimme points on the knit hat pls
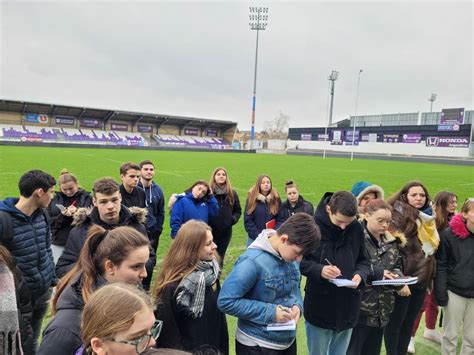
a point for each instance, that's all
(362, 188)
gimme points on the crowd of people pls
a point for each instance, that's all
(93, 256)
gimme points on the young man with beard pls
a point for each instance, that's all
(132, 195)
(109, 213)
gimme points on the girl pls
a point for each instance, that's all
(229, 210)
(261, 208)
(294, 203)
(454, 284)
(118, 319)
(64, 204)
(186, 292)
(377, 302)
(365, 192)
(197, 202)
(107, 256)
(444, 205)
(412, 215)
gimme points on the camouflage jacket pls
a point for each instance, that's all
(378, 301)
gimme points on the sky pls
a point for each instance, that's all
(196, 58)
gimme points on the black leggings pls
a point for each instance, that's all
(365, 340)
(241, 349)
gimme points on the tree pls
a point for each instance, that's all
(278, 127)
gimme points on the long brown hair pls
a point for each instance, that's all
(401, 195)
(440, 206)
(183, 255)
(110, 310)
(228, 186)
(101, 245)
(274, 203)
(7, 259)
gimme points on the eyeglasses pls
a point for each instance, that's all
(141, 343)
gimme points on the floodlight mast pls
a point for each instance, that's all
(333, 77)
(355, 115)
(258, 17)
(432, 99)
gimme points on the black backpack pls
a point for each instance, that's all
(6, 226)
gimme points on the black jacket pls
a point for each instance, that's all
(84, 218)
(61, 225)
(135, 199)
(286, 210)
(182, 332)
(62, 335)
(228, 215)
(455, 262)
(325, 305)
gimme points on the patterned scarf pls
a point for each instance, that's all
(219, 190)
(9, 325)
(192, 289)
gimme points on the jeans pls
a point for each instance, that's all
(327, 341)
(398, 330)
(365, 340)
(241, 349)
(40, 307)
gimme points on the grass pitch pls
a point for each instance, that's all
(176, 171)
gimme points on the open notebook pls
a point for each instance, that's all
(343, 282)
(290, 325)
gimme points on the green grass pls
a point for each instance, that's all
(176, 171)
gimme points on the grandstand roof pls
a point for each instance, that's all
(105, 114)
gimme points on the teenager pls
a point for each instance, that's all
(454, 284)
(109, 213)
(261, 207)
(118, 319)
(264, 287)
(365, 192)
(197, 202)
(107, 256)
(61, 210)
(294, 203)
(29, 240)
(383, 248)
(412, 215)
(229, 210)
(186, 291)
(444, 206)
(132, 194)
(330, 311)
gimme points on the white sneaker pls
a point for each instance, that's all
(411, 346)
(433, 335)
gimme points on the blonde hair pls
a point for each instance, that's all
(112, 309)
(65, 176)
(274, 201)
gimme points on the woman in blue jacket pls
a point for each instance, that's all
(197, 202)
(261, 208)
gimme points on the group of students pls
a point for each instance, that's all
(107, 255)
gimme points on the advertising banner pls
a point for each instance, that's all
(36, 118)
(411, 138)
(119, 126)
(191, 131)
(90, 122)
(350, 136)
(323, 137)
(391, 138)
(448, 127)
(64, 120)
(211, 132)
(452, 142)
(144, 128)
(372, 137)
(336, 137)
(452, 116)
(306, 136)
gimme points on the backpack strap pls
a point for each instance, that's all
(6, 228)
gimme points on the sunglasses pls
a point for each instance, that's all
(141, 343)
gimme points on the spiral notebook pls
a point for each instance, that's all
(290, 325)
(396, 282)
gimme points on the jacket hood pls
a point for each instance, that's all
(71, 298)
(362, 188)
(8, 205)
(91, 214)
(458, 227)
(173, 199)
(322, 217)
(264, 244)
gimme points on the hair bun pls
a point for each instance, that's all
(64, 171)
(289, 182)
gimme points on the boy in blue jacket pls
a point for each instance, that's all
(264, 287)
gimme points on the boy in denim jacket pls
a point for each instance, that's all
(264, 286)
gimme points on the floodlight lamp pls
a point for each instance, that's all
(334, 75)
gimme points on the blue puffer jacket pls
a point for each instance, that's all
(155, 202)
(255, 222)
(187, 207)
(259, 282)
(31, 248)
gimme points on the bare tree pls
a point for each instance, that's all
(278, 127)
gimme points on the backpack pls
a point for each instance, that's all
(6, 226)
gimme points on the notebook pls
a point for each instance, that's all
(270, 224)
(276, 327)
(396, 282)
(343, 282)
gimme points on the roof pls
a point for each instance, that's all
(24, 107)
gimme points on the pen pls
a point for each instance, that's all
(329, 263)
(286, 309)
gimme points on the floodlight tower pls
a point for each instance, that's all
(333, 77)
(432, 99)
(258, 18)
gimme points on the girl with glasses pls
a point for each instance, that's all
(118, 319)
(118, 255)
(186, 291)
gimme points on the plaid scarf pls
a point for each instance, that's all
(9, 325)
(191, 289)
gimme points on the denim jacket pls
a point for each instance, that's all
(259, 281)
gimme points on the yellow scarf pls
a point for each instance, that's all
(427, 233)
